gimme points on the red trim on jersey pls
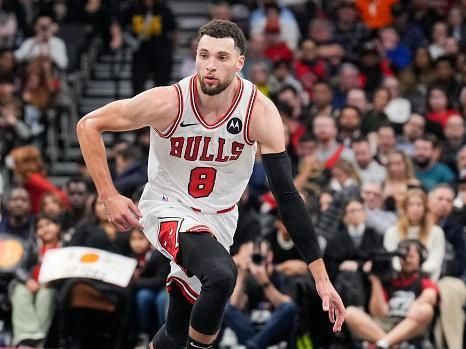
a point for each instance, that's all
(201, 228)
(251, 103)
(185, 289)
(225, 210)
(173, 127)
(194, 98)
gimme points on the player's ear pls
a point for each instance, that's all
(240, 63)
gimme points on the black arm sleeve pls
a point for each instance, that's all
(291, 206)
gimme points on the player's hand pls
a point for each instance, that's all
(332, 303)
(122, 213)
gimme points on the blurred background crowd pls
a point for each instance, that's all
(373, 99)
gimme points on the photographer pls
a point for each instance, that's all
(400, 309)
(44, 44)
(258, 312)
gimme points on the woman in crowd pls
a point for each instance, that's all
(400, 176)
(38, 89)
(423, 67)
(415, 222)
(97, 231)
(30, 172)
(439, 108)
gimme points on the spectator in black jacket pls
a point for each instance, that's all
(452, 288)
(345, 184)
(131, 172)
(18, 220)
(148, 284)
(349, 250)
(77, 190)
(286, 257)
(97, 232)
(152, 25)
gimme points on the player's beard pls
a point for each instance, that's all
(215, 90)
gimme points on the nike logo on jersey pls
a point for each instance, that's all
(186, 125)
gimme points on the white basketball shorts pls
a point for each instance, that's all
(165, 218)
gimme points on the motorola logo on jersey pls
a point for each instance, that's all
(234, 126)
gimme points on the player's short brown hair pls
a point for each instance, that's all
(218, 29)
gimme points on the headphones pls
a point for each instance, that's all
(421, 249)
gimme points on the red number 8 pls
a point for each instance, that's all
(201, 181)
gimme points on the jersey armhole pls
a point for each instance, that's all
(171, 129)
(247, 119)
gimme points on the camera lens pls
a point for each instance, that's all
(257, 258)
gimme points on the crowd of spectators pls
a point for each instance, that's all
(373, 99)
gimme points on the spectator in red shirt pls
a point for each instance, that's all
(401, 308)
(438, 106)
(276, 48)
(29, 171)
(309, 68)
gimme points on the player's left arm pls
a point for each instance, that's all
(266, 128)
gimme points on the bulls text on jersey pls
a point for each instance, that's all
(200, 148)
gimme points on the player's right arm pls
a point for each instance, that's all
(157, 108)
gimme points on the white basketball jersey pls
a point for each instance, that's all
(205, 167)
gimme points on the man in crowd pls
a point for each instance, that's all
(328, 150)
(455, 138)
(78, 192)
(428, 170)
(377, 217)
(450, 326)
(368, 169)
(18, 220)
(412, 130)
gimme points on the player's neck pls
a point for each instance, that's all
(219, 103)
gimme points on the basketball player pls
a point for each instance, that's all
(204, 134)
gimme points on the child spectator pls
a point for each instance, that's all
(33, 304)
(51, 206)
